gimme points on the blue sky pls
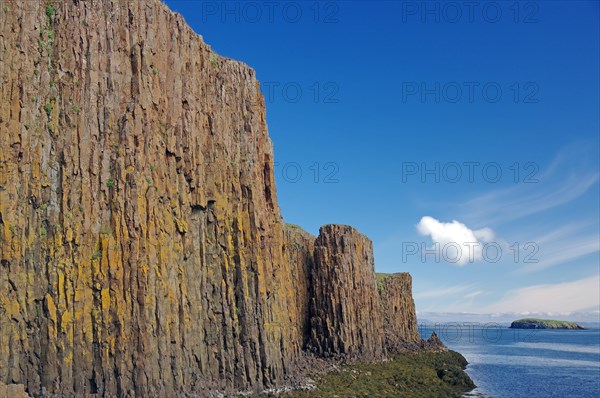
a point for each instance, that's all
(364, 97)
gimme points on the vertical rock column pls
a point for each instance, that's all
(400, 318)
(140, 235)
(346, 317)
(299, 248)
(13, 391)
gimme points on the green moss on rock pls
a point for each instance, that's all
(416, 375)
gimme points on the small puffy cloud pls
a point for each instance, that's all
(456, 242)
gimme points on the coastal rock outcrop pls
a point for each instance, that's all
(400, 319)
(142, 251)
(345, 312)
(433, 343)
(534, 323)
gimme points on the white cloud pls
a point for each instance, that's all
(523, 200)
(456, 242)
(572, 173)
(555, 246)
(560, 252)
(484, 234)
(566, 297)
(472, 295)
(443, 291)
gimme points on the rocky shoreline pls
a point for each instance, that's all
(419, 374)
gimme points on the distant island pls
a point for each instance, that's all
(535, 323)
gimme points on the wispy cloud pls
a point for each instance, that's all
(502, 206)
(562, 252)
(566, 297)
(472, 295)
(448, 291)
(564, 244)
(570, 175)
(454, 298)
(562, 232)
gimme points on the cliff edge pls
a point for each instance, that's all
(142, 251)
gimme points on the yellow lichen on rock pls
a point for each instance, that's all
(142, 251)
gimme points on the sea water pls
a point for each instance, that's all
(513, 363)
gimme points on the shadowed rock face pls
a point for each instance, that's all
(299, 248)
(142, 251)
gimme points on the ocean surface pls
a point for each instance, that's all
(512, 363)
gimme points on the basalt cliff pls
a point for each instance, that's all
(142, 251)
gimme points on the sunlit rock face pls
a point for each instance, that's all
(400, 318)
(142, 251)
(346, 313)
